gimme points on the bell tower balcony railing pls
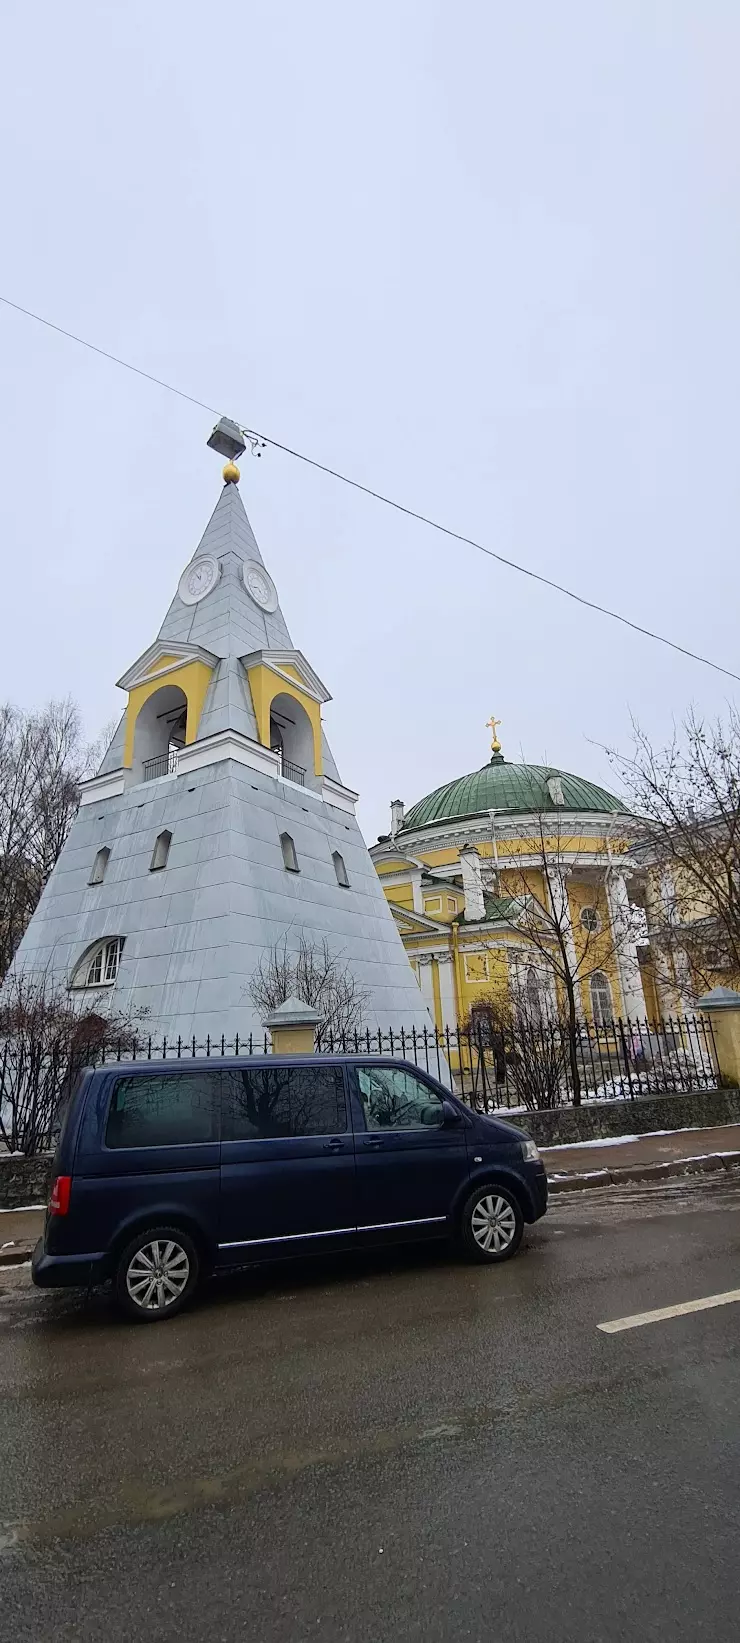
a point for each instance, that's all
(164, 765)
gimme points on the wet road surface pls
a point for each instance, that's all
(389, 1447)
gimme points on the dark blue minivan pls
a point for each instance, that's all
(168, 1170)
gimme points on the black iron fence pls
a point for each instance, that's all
(525, 1065)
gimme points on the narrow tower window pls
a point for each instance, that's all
(160, 852)
(340, 869)
(99, 865)
(290, 859)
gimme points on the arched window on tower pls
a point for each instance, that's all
(290, 859)
(99, 965)
(601, 999)
(160, 852)
(340, 869)
(99, 865)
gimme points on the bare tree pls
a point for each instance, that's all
(686, 797)
(536, 905)
(43, 759)
(316, 976)
(44, 1041)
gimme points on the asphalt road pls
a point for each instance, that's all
(401, 1447)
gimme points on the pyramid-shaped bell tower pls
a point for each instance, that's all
(217, 827)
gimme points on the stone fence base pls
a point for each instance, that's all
(24, 1181)
(597, 1120)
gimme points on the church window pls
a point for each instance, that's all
(99, 966)
(601, 999)
(290, 859)
(99, 865)
(590, 920)
(533, 996)
(160, 852)
(340, 870)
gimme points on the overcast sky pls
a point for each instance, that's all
(482, 257)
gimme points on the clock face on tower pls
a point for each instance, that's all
(198, 579)
(259, 585)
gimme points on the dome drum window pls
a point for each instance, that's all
(590, 921)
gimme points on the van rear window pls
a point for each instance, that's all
(164, 1109)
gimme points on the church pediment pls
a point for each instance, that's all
(163, 658)
(410, 923)
(292, 667)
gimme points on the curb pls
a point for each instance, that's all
(627, 1174)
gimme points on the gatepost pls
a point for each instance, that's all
(722, 1005)
(292, 1027)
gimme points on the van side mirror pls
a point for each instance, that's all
(451, 1114)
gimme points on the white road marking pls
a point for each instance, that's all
(662, 1312)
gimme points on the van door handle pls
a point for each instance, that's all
(335, 1145)
(373, 1146)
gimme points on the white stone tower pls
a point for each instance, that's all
(217, 824)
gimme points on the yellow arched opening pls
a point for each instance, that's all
(266, 687)
(192, 679)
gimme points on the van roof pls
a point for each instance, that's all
(311, 1058)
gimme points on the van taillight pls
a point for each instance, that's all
(59, 1200)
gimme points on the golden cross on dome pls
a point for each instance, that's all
(492, 725)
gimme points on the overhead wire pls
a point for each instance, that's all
(379, 496)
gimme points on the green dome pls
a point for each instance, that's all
(517, 789)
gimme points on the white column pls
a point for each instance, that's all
(426, 983)
(446, 967)
(561, 911)
(661, 914)
(625, 948)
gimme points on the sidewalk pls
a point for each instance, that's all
(19, 1231)
(642, 1157)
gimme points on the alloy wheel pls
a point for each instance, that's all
(493, 1223)
(157, 1274)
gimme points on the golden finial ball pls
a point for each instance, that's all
(231, 474)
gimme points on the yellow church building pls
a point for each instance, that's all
(461, 867)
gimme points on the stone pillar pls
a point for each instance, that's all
(561, 912)
(625, 948)
(397, 812)
(475, 906)
(292, 1027)
(426, 982)
(722, 1006)
(446, 967)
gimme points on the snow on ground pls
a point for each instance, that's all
(620, 1140)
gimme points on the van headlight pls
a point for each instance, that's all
(530, 1152)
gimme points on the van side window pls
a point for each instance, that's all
(164, 1110)
(268, 1103)
(396, 1100)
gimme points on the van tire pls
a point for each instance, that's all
(172, 1258)
(491, 1223)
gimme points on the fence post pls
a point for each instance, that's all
(293, 1027)
(722, 1006)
